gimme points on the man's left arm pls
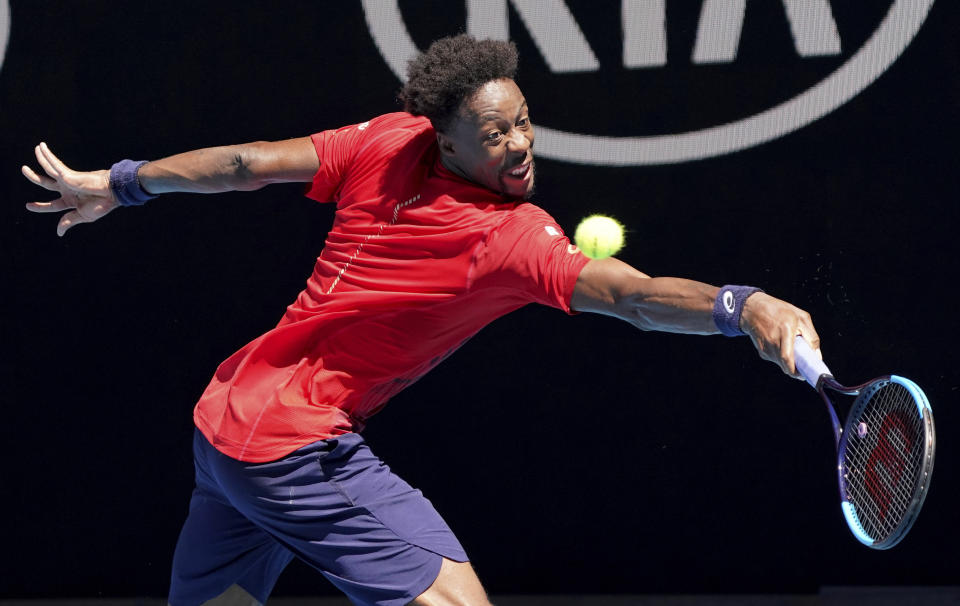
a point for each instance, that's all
(612, 287)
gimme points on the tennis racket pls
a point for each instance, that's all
(885, 450)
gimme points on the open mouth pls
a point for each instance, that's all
(519, 172)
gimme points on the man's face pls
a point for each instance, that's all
(491, 140)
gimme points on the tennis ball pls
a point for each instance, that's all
(599, 236)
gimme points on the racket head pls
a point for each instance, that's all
(885, 460)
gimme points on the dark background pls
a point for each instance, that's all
(569, 454)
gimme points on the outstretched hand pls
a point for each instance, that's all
(773, 325)
(86, 195)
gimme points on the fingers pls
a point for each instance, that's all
(41, 180)
(788, 362)
(773, 325)
(47, 183)
(54, 206)
(805, 329)
(86, 195)
(69, 220)
(59, 167)
(60, 175)
(44, 156)
(775, 330)
(808, 332)
(59, 172)
(85, 213)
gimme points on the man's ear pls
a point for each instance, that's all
(445, 144)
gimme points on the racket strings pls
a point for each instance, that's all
(883, 459)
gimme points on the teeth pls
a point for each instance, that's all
(519, 170)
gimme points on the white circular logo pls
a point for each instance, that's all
(814, 31)
(4, 28)
(729, 302)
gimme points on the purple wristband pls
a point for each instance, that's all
(728, 307)
(125, 183)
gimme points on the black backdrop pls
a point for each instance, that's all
(569, 454)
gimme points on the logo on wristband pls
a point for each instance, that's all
(729, 302)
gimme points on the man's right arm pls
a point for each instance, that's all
(87, 196)
(610, 286)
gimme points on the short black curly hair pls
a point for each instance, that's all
(451, 70)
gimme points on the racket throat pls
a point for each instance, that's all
(834, 419)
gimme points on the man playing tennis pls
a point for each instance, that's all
(432, 240)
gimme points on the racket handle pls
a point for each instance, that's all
(808, 362)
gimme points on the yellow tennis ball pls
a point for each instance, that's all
(599, 236)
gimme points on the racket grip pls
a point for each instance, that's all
(809, 364)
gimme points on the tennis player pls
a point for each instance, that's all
(433, 238)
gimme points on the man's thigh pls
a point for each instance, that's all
(218, 548)
(336, 506)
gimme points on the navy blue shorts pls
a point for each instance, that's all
(332, 504)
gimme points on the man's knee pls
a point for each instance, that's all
(456, 585)
(235, 595)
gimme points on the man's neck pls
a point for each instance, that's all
(452, 167)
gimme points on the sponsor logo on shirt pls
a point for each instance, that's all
(550, 229)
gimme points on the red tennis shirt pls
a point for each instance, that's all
(418, 260)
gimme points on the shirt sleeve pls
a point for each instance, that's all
(336, 149)
(529, 254)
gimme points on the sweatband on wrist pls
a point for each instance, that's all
(125, 183)
(728, 307)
